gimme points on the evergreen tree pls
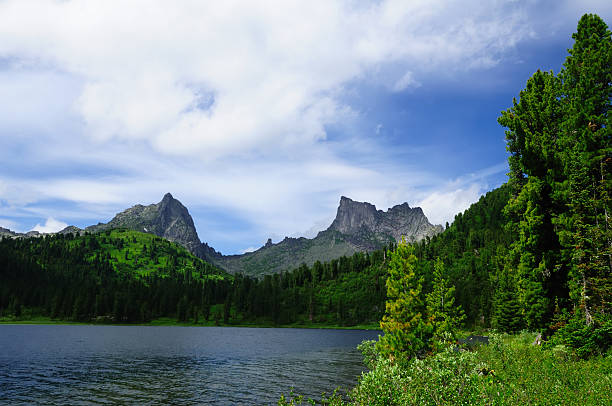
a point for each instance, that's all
(407, 331)
(445, 316)
(559, 137)
(587, 91)
(507, 315)
(535, 170)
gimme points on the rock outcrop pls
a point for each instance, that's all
(167, 219)
(368, 228)
(357, 227)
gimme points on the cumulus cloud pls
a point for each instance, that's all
(404, 82)
(51, 226)
(440, 207)
(270, 74)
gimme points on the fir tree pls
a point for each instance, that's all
(587, 91)
(445, 316)
(407, 331)
(507, 315)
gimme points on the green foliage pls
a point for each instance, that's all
(474, 251)
(559, 138)
(294, 400)
(508, 314)
(407, 329)
(87, 278)
(535, 171)
(508, 371)
(585, 340)
(445, 316)
(587, 81)
(90, 278)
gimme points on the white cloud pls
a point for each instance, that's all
(440, 207)
(10, 224)
(272, 73)
(404, 82)
(51, 226)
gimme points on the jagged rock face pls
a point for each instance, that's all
(168, 219)
(369, 228)
(288, 254)
(70, 230)
(352, 216)
(5, 232)
(357, 227)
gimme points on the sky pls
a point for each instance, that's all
(259, 116)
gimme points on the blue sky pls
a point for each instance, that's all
(258, 117)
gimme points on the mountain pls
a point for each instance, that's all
(168, 219)
(358, 226)
(369, 229)
(5, 232)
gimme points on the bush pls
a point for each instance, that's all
(448, 377)
(585, 340)
(508, 371)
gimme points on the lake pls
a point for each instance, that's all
(74, 364)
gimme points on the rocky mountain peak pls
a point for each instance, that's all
(168, 219)
(368, 228)
(352, 215)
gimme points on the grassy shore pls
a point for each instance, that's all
(167, 321)
(510, 370)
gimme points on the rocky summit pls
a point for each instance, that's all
(358, 226)
(368, 228)
(168, 219)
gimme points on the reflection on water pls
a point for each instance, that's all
(173, 365)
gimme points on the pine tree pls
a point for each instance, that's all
(587, 79)
(507, 316)
(535, 173)
(407, 330)
(445, 316)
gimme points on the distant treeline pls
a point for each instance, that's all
(125, 276)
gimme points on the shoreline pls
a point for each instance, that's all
(173, 323)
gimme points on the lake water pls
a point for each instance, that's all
(61, 365)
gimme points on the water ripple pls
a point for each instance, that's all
(102, 365)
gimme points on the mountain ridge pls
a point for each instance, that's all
(358, 226)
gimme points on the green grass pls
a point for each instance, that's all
(508, 371)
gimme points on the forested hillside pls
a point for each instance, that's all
(127, 276)
(474, 250)
(118, 275)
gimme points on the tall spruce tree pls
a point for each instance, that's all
(507, 315)
(445, 316)
(535, 171)
(587, 91)
(407, 330)
(559, 138)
